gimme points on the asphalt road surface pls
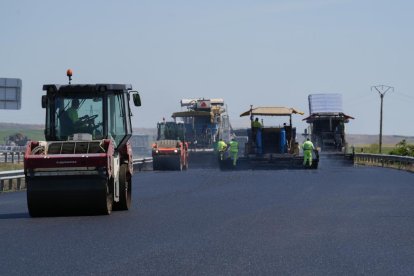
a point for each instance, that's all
(338, 220)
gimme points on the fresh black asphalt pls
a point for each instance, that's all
(338, 220)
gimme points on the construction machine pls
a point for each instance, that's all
(170, 151)
(327, 122)
(206, 122)
(270, 146)
(85, 163)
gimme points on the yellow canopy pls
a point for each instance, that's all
(272, 111)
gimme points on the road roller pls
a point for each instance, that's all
(84, 165)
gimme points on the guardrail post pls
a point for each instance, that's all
(19, 182)
(12, 157)
(1, 185)
(10, 184)
(5, 157)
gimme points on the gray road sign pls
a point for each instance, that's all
(10, 93)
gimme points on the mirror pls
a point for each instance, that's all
(44, 101)
(136, 98)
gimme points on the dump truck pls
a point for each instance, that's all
(85, 163)
(327, 122)
(170, 151)
(270, 146)
(205, 121)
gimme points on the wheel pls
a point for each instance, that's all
(124, 189)
(107, 202)
(33, 210)
(178, 164)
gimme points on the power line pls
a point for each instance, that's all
(405, 95)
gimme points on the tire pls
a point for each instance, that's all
(107, 202)
(178, 164)
(124, 189)
(34, 211)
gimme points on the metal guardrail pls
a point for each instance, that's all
(14, 180)
(142, 163)
(12, 148)
(384, 160)
(11, 157)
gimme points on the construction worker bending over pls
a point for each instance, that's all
(307, 152)
(221, 147)
(234, 150)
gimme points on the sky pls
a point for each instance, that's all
(261, 53)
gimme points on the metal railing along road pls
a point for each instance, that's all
(14, 180)
(384, 160)
(10, 179)
(12, 148)
(11, 157)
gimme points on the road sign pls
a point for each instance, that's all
(10, 93)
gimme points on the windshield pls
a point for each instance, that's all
(171, 131)
(78, 115)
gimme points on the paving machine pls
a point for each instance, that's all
(170, 151)
(327, 122)
(270, 147)
(205, 122)
(85, 163)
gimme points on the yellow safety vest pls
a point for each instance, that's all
(221, 145)
(72, 114)
(256, 124)
(308, 145)
(234, 146)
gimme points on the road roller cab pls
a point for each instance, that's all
(85, 163)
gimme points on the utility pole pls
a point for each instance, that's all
(381, 89)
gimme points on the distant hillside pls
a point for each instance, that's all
(36, 132)
(144, 131)
(20, 126)
(33, 132)
(358, 139)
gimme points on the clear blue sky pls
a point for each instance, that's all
(247, 52)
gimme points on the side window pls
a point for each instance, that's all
(116, 118)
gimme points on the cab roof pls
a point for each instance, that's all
(99, 87)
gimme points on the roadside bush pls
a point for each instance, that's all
(403, 149)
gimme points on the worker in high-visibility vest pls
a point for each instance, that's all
(234, 150)
(256, 126)
(221, 147)
(307, 152)
(73, 111)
